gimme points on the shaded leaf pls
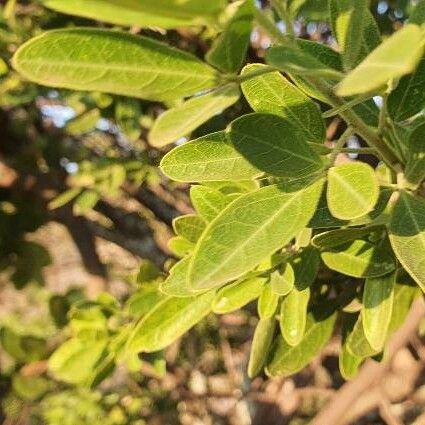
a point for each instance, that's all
(189, 227)
(208, 202)
(209, 158)
(182, 120)
(415, 167)
(270, 143)
(283, 282)
(273, 93)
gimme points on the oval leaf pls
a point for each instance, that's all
(169, 320)
(189, 227)
(182, 120)
(261, 344)
(208, 202)
(112, 62)
(270, 143)
(378, 296)
(267, 303)
(407, 235)
(274, 94)
(353, 190)
(250, 229)
(359, 259)
(396, 56)
(209, 158)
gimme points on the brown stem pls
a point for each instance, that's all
(334, 412)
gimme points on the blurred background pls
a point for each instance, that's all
(85, 221)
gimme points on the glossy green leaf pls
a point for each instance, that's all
(357, 343)
(208, 202)
(295, 60)
(112, 62)
(189, 227)
(409, 96)
(182, 120)
(283, 282)
(250, 229)
(352, 190)
(287, 360)
(415, 167)
(131, 12)
(209, 158)
(293, 315)
(267, 302)
(270, 143)
(407, 235)
(395, 57)
(378, 297)
(273, 93)
(169, 320)
(75, 361)
(359, 259)
(235, 296)
(228, 51)
(341, 236)
(261, 344)
(354, 28)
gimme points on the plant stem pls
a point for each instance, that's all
(339, 145)
(383, 115)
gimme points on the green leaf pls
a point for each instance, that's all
(209, 158)
(405, 292)
(238, 294)
(359, 259)
(415, 167)
(409, 96)
(189, 227)
(112, 62)
(127, 12)
(31, 388)
(407, 235)
(273, 93)
(293, 315)
(250, 229)
(127, 115)
(64, 198)
(267, 302)
(270, 143)
(378, 297)
(352, 191)
(182, 120)
(357, 343)
(75, 361)
(261, 344)
(228, 51)
(180, 246)
(418, 14)
(354, 28)
(287, 360)
(295, 60)
(176, 283)
(396, 56)
(208, 202)
(341, 236)
(349, 364)
(85, 202)
(283, 283)
(83, 123)
(327, 56)
(169, 320)
(144, 299)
